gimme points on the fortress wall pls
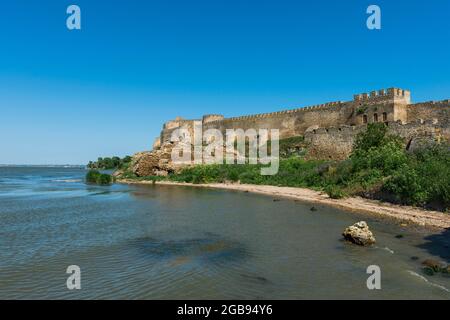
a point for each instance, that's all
(290, 122)
(326, 117)
(439, 110)
(330, 128)
(285, 123)
(333, 143)
(429, 128)
(218, 124)
(166, 133)
(337, 143)
(212, 117)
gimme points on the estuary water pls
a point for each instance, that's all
(168, 242)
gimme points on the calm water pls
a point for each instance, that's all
(158, 242)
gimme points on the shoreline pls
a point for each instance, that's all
(404, 214)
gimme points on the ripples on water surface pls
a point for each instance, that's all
(158, 242)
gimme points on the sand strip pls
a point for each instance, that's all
(405, 214)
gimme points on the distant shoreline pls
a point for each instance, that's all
(403, 214)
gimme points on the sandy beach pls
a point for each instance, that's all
(402, 214)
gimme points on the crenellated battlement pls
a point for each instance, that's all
(280, 113)
(178, 122)
(212, 117)
(334, 120)
(390, 95)
(441, 103)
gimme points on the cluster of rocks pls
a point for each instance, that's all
(431, 266)
(158, 162)
(359, 234)
(154, 163)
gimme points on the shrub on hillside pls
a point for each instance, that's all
(335, 192)
(94, 176)
(425, 179)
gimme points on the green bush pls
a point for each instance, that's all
(292, 172)
(373, 137)
(407, 186)
(94, 176)
(293, 146)
(91, 176)
(424, 179)
(335, 192)
(104, 179)
(233, 175)
(109, 163)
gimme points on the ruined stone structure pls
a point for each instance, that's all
(330, 128)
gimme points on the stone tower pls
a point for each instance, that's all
(381, 106)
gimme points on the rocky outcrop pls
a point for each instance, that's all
(155, 163)
(359, 234)
(145, 164)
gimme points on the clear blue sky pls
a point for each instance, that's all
(71, 96)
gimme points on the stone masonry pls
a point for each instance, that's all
(330, 128)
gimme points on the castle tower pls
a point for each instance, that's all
(381, 106)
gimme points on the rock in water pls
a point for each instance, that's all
(434, 265)
(359, 234)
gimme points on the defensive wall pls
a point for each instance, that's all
(333, 126)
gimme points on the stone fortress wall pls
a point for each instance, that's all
(330, 128)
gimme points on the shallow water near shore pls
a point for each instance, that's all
(171, 242)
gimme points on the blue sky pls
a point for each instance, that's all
(67, 97)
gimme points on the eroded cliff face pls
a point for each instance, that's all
(154, 163)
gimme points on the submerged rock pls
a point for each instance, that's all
(428, 271)
(434, 265)
(359, 234)
(431, 266)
